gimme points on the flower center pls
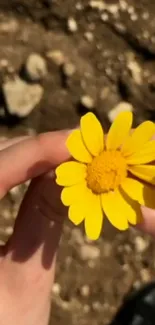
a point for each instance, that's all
(106, 172)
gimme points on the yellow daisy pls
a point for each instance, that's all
(109, 176)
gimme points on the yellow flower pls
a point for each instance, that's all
(109, 176)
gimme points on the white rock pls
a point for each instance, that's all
(56, 56)
(72, 25)
(85, 290)
(35, 66)
(77, 237)
(121, 107)
(89, 252)
(97, 4)
(21, 98)
(89, 36)
(136, 71)
(69, 69)
(87, 101)
(9, 230)
(56, 288)
(140, 244)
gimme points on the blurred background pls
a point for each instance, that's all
(58, 60)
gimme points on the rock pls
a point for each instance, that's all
(89, 36)
(69, 69)
(121, 107)
(76, 236)
(85, 291)
(56, 288)
(56, 56)
(21, 98)
(89, 252)
(35, 67)
(87, 102)
(72, 25)
(96, 306)
(145, 275)
(136, 71)
(140, 244)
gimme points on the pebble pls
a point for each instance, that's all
(56, 56)
(121, 107)
(89, 36)
(145, 275)
(76, 236)
(97, 306)
(87, 101)
(89, 252)
(86, 308)
(72, 25)
(35, 67)
(140, 244)
(9, 230)
(96, 4)
(85, 291)
(136, 71)
(69, 69)
(104, 17)
(20, 97)
(56, 288)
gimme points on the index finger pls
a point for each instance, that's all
(30, 158)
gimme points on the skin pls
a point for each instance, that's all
(27, 262)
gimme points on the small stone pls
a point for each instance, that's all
(121, 107)
(104, 17)
(9, 230)
(69, 69)
(56, 56)
(135, 70)
(89, 36)
(35, 67)
(4, 63)
(77, 237)
(97, 306)
(96, 4)
(86, 308)
(56, 288)
(89, 252)
(21, 98)
(79, 6)
(113, 9)
(140, 244)
(6, 214)
(85, 291)
(72, 25)
(145, 275)
(87, 101)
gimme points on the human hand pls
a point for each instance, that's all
(27, 262)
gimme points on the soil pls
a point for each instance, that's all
(111, 46)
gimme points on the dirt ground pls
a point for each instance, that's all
(100, 56)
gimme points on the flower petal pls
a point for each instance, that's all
(145, 155)
(141, 135)
(70, 173)
(140, 192)
(73, 194)
(144, 172)
(76, 212)
(77, 148)
(119, 130)
(132, 209)
(92, 133)
(94, 217)
(115, 211)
